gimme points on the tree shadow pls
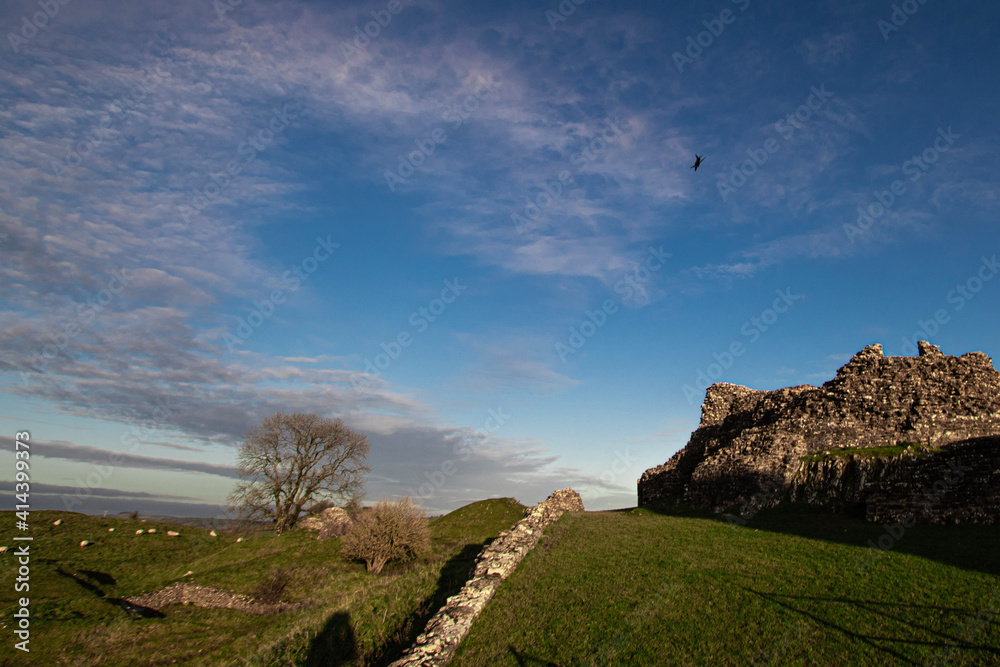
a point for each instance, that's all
(105, 579)
(335, 644)
(915, 632)
(453, 576)
(525, 660)
(102, 578)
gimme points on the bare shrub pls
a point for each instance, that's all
(387, 532)
(269, 591)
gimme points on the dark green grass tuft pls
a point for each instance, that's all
(889, 451)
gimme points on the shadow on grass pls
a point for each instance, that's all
(453, 576)
(940, 642)
(335, 644)
(525, 660)
(967, 546)
(105, 579)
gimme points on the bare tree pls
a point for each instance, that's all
(290, 460)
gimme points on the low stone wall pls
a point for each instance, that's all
(209, 598)
(445, 631)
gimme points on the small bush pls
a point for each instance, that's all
(269, 591)
(387, 532)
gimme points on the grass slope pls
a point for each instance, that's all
(792, 587)
(355, 618)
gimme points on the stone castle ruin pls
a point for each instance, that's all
(897, 438)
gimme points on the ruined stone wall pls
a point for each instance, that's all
(445, 631)
(959, 484)
(751, 443)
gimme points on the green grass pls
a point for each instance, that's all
(870, 452)
(352, 617)
(792, 587)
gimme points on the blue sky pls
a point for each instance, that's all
(472, 233)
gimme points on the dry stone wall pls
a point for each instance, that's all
(749, 447)
(445, 631)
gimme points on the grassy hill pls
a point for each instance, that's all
(635, 587)
(791, 587)
(350, 617)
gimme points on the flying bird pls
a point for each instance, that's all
(697, 162)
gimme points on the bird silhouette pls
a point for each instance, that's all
(697, 162)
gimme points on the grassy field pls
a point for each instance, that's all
(797, 587)
(634, 587)
(353, 617)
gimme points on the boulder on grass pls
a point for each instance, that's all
(332, 522)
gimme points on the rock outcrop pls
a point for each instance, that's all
(445, 631)
(331, 522)
(759, 447)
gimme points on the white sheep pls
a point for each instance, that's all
(57, 522)
(85, 543)
(111, 530)
(151, 530)
(139, 532)
(172, 533)
(3, 550)
(213, 534)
